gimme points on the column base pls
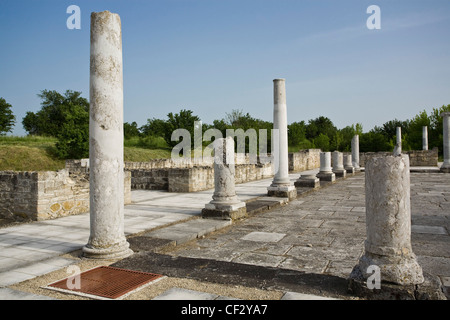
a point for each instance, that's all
(283, 191)
(429, 289)
(307, 182)
(350, 170)
(445, 168)
(340, 173)
(116, 251)
(401, 270)
(224, 211)
(326, 176)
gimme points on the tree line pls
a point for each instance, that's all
(66, 117)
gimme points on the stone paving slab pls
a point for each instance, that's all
(317, 227)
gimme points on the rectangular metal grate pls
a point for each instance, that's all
(108, 282)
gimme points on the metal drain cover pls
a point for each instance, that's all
(107, 282)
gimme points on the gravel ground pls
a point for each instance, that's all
(147, 292)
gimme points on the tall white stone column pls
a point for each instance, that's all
(398, 145)
(325, 171)
(446, 140)
(225, 203)
(281, 185)
(424, 138)
(338, 164)
(355, 152)
(388, 223)
(107, 238)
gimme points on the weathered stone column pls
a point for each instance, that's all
(281, 185)
(338, 164)
(398, 145)
(355, 153)
(225, 203)
(388, 223)
(348, 166)
(107, 238)
(446, 140)
(325, 171)
(424, 138)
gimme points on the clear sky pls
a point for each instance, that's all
(212, 56)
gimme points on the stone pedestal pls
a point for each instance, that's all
(446, 141)
(338, 164)
(355, 153)
(225, 203)
(107, 239)
(325, 172)
(398, 145)
(424, 138)
(281, 185)
(388, 224)
(348, 166)
(307, 181)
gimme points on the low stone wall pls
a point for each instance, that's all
(42, 195)
(417, 158)
(304, 160)
(202, 178)
(190, 175)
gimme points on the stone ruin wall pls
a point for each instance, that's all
(43, 195)
(417, 158)
(190, 175)
(48, 194)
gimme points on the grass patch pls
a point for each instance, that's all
(36, 153)
(143, 155)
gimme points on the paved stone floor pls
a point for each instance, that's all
(305, 248)
(324, 232)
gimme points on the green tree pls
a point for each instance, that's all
(130, 130)
(435, 135)
(154, 127)
(374, 141)
(49, 121)
(7, 118)
(296, 133)
(322, 142)
(182, 120)
(73, 139)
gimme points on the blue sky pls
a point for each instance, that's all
(212, 56)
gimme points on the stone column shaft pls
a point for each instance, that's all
(425, 138)
(107, 238)
(446, 141)
(338, 164)
(281, 185)
(348, 166)
(398, 145)
(388, 221)
(225, 203)
(325, 171)
(355, 152)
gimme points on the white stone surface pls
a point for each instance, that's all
(280, 143)
(425, 138)
(325, 162)
(388, 221)
(107, 238)
(355, 152)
